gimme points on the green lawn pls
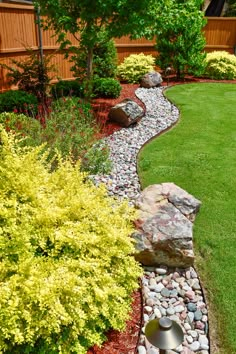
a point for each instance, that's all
(199, 155)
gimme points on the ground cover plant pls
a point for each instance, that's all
(198, 154)
(60, 292)
(69, 127)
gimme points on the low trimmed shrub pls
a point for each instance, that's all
(135, 66)
(67, 88)
(66, 268)
(220, 65)
(19, 101)
(106, 87)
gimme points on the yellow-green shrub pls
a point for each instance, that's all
(221, 65)
(135, 66)
(66, 268)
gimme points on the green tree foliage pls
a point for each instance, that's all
(104, 58)
(179, 39)
(85, 19)
(231, 8)
(66, 268)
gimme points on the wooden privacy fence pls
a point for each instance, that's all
(18, 30)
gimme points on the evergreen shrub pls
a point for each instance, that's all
(19, 101)
(66, 268)
(135, 66)
(106, 87)
(221, 65)
(67, 88)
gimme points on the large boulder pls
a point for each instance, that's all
(164, 228)
(151, 79)
(126, 113)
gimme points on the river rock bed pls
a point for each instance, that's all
(174, 293)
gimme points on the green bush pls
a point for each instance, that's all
(106, 87)
(18, 101)
(220, 66)
(96, 159)
(69, 128)
(104, 58)
(31, 75)
(67, 88)
(135, 66)
(28, 128)
(66, 268)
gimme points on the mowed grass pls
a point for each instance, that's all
(199, 155)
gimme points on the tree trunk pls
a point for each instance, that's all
(89, 76)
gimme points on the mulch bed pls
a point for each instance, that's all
(126, 342)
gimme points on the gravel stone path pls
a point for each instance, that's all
(174, 293)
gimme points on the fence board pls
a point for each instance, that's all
(18, 29)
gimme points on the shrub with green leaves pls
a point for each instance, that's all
(19, 101)
(31, 75)
(221, 65)
(135, 66)
(69, 128)
(106, 87)
(26, 127)
(66, 268)
(67, 88)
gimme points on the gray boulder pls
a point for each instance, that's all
(164, 229)
(152, 79)
(126, 113)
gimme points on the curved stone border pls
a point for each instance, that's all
(174, 293)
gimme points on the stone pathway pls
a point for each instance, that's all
(174, 293)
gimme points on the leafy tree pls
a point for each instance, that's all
(231, 9)
(85, 19)
(179, 39)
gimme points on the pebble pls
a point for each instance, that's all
(177, 292)
(195, 346)
(141, 349)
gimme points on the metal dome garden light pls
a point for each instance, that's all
(164, 334)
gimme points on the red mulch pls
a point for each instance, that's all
(124, 342)
(102, 106)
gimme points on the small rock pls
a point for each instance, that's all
(192, 307)
(189, 339)
(148, 309)
(157, 313)
(195, 346)
(159, 287)
(196, 285)
(200, 325)
(194, 334)
(161, 271)
(170, 311)
(141, 349)
(198, 315)
(165, 292)
(150, 302)
(179, 308)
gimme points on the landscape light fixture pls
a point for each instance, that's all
(164, 334)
